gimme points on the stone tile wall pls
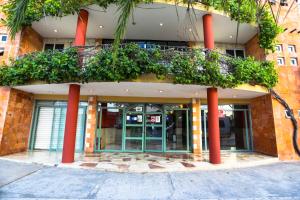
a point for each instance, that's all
(263, 125)
(16, 130)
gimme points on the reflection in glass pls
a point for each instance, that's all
(134, 131)
(234, 127)
(176, 130)
(152, 131)
(133, 145)
(155, 145)
(111, 129)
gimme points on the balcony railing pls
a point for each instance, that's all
(101, 63)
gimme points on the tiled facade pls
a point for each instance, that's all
(263, 128)
(16, 130)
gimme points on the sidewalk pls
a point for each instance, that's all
(145, 162)
(275, 181)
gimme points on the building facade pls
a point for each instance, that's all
(150, 115)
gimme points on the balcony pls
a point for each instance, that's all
(169, 68)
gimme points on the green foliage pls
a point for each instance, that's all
(193, 67)
(24, 12)
(49, 66)
(268, 31)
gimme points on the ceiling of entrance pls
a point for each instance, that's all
(140, 89)
(150, 22)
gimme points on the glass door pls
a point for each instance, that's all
(177, 129)
(154, 128)
(134, 128)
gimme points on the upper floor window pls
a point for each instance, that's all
(1, 51)
(236, 53)
(280, 61)
(292, 49)
(279, 47)
(52, 46)
(294, 62)
(3, 37)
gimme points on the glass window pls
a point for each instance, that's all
(110, 130)
(294, 62)
(1, 51)
(280, 61)
(240, 53)
(3, 37)
(230, 52)
(59, 46)
(48, 47)
(278, 47)
(176, 130)
(292, 49)
(236, 53)
(234, 124)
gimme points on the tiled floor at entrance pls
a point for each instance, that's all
(144, 162)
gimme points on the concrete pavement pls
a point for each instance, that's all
(276, 181)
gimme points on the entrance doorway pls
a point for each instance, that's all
(143, 128)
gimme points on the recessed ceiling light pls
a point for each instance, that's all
(231, 36)
(55, 30)
(100, 26)
(127, 90)
(190, 29)
(161, 24)
(161, 91)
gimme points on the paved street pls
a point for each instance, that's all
(28, 181)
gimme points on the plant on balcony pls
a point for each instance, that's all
(23, 12)
(184, 67)
(49, 66)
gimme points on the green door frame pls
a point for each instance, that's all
(143, 138)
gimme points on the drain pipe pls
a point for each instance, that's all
(293, 119)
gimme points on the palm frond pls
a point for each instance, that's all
(18, 17)
(125, 9)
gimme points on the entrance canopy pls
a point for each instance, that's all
(145, 89)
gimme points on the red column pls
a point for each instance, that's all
(71, 124)
(213, 126)
(74, 96)
(212, 99)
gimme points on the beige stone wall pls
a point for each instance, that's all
(16, 130)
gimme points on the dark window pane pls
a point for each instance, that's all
(240, 53)
(230, 52)
(49, 47)
(1, 51)
(59, 46)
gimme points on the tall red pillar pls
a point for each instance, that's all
(74, 96)
(212, 99)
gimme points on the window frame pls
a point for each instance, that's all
(235, 50)
(283, 61)
(293, 47)
(280, 49)
(296, 60)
